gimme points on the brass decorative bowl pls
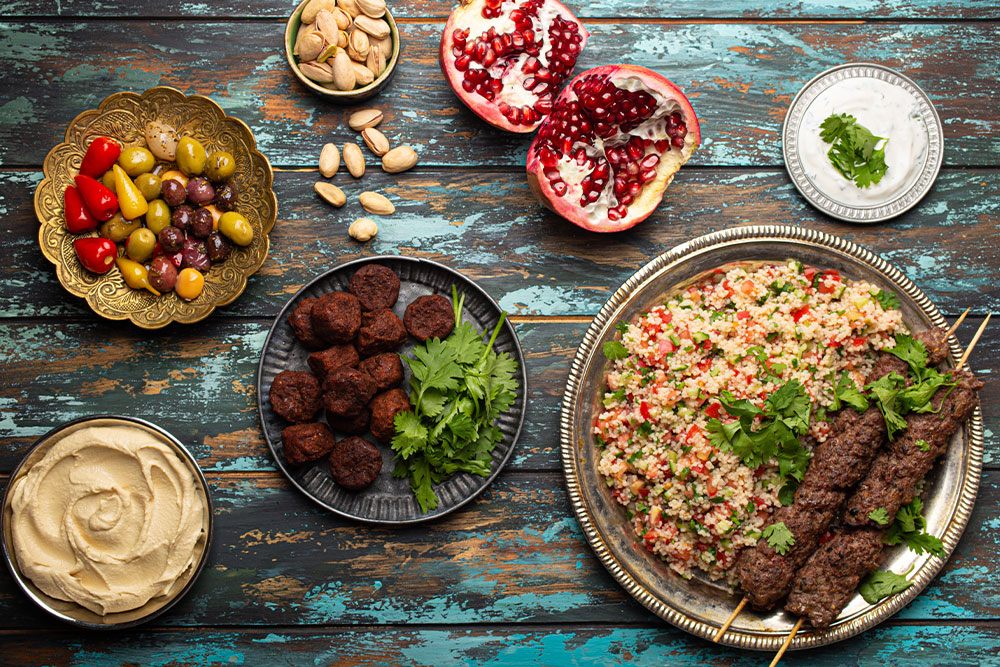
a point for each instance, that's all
(123, 116)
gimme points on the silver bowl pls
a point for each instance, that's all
(70, 612)
(698, 605)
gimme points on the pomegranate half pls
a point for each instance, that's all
(615, 138)
(507, 59)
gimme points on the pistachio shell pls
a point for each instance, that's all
(343, 18)
(399, 159)
(375, 61)
(351, 7)
(329, 160)
(310, 11)
(363, 229)
(376, 204)
(319, 72)
(308, 44)
(372, 8)
(341, 39)
(358, 45)
(363, 118)
(377, 28)
(343, 71)
(354, 160)
(330, 193)
(376, 141)
(362, 75)
(327, 24)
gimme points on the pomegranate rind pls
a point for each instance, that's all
(652, 194)
(488, 111)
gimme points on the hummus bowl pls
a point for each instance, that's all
(106, 522)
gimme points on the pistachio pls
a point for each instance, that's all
(343, 18)
(342, 39)
(327, 24)
(342, 72)
(385, 45)
(354, 160)
(399, 159)
(372, 8)
(319, 72)
(363, 229)
(330, 193)
(377, 28)
(310, 11)
(358, 45)
(351, 7)
(375, 61)
(308, 44)
(363, 118)
(363, 76)
(375, 140)
(329, 160)
(376, 204)
(328, 52)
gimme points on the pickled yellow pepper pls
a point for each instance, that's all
(135, 274)
(130, 200)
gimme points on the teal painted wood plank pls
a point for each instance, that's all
(199, 383)
(515, 556)
(891, 645)
(701, 9)
(740, 78)
(489, 226)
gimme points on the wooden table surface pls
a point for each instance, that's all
(509, 579)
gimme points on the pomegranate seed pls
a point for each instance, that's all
(647, 175)
(650, 161)
(559, 188)
(462, 63)
(626, 199)
(677, 142)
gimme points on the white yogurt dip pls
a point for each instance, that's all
(885, 109)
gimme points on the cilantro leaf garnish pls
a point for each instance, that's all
(885, 391)
(879, 515)
(614, 350)
(779, 537)
(854, 151)
(910, 526)
(845, 392)
(459, 386)
(888, 300)
(881, 584)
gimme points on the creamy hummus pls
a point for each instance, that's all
(109, 518)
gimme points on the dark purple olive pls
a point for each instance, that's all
(173, 192)
(182, 217)
(162, 273)
(171, 239)
(195, 255)
(200, 191)
(201, 225)
(218, 247)
(226, 196)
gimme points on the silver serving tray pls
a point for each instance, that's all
(700, 606)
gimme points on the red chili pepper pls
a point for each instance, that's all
(78, 218)
(96, 254)
(102, 153)
(101, 202)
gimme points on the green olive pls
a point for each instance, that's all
(149, 185)
(136, 160)
(158, 216)
(236, 228)
(140, 244)
(220, 167)
(190, 156)
(108, 179)
(118, 228)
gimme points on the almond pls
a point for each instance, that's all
(376, 204)
(375, 140)
(329, 160)
(372, 8)
(330, 193)
(363, 118)
(354, 160)
(377, 28)
(399, 159)
(343, 71)
(319, 72)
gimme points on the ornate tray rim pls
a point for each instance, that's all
(602, 328)
(78, 125)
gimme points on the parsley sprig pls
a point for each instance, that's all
(784, 416)
(460, 385)
(779, 537)
(910, 527)
(854, 153)
(882, 583)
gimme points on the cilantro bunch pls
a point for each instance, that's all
(459, 387)
(784, 417)
(853, 152)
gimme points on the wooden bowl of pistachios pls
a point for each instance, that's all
(345, 50)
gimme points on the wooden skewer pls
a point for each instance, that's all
(729, 621)
(788, 640)
(954, 327)
(975, 339)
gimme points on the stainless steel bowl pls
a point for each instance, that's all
(700, 606)
(70, 612)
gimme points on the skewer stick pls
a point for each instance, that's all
(954, 327)
(729, 621)
(975, 339)
(788, 640)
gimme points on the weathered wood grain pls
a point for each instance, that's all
(740, 78)
(605, 9)
(489, 226)
(516, 555)
(891, 645)
(200, 382)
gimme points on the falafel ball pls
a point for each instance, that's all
(376, 286)
(327, 361)
(385, 368)
(385, 407)
(336, 317)
(300, 319)
(355, 463)
(295, 395)
(303, 443)
(429, 316)
(347, 391)
(383, 333)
